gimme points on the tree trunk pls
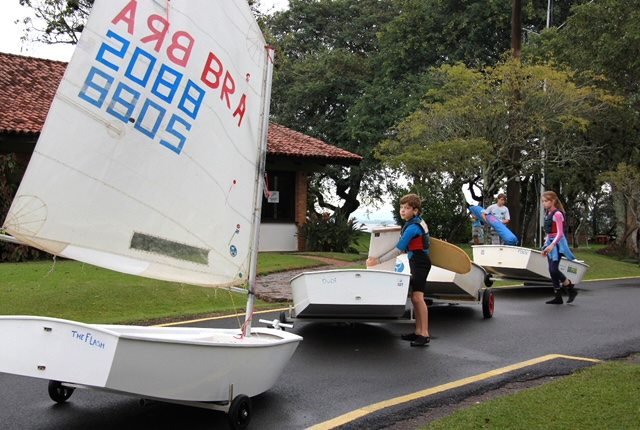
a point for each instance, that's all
(513, 202)
(516, 28)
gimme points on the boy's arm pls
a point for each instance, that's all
(390, 254)
(401, 247)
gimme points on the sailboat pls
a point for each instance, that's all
(151, 163)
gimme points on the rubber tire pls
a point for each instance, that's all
(283, 319)
(239, 414)
(488, 282)
(488, 303)
(58, 392)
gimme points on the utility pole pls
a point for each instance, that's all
(513, 184)
(541, 212)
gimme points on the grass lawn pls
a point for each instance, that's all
(604, 396)
(72, 290)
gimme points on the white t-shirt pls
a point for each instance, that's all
(500, 212)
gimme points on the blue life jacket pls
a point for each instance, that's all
(418, 243)
(548, 222)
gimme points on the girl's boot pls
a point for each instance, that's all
(557, 299)
(571, 292)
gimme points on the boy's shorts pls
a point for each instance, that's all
(420, 265)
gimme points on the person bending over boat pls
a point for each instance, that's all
(501, 212)
(556, 246)
(414, 240)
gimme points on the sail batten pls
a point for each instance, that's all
(148, 159)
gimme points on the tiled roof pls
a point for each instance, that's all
(27, 87)
(286, 142)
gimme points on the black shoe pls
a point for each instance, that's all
(408, 336)
(421, 341)
(571, 289)
(557, 300)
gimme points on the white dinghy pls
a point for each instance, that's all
(524, 264)
(443, 286)
(150, 163)
(447, 287)
(350, 294)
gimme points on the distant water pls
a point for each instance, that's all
(369, 225)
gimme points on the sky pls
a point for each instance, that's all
(10, 32)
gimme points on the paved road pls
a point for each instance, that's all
(339, 368)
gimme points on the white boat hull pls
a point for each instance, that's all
(173, 363)
(514, 262)
(443, 285)
(448, 286)
(350, 293)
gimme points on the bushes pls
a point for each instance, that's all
(330, 233)
(10, 172)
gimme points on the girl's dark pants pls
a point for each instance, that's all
(557, 277)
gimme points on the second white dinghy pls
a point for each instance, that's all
(350, 294)
(150, 163)
(448, 287)
(443, 285)
(523, 264)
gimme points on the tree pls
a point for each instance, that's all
(56, 21)
(441, 206)
(388, 45)
(472, 122)
(601, 42)
(625, 180)
(323, 66)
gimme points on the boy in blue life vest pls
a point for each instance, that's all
(414, 240)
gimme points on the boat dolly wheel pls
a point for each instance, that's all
(240, 412)
(488, 303)
(58, 392)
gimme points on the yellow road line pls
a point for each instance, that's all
(361, 412)
(220, 317)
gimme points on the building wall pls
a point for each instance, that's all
(278, 237)
(302, 187)
(284, 237)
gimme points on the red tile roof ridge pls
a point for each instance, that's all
(285, 141)
(28, 85)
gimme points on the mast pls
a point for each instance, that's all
(259, 185)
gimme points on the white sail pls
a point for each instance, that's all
(148, 160)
